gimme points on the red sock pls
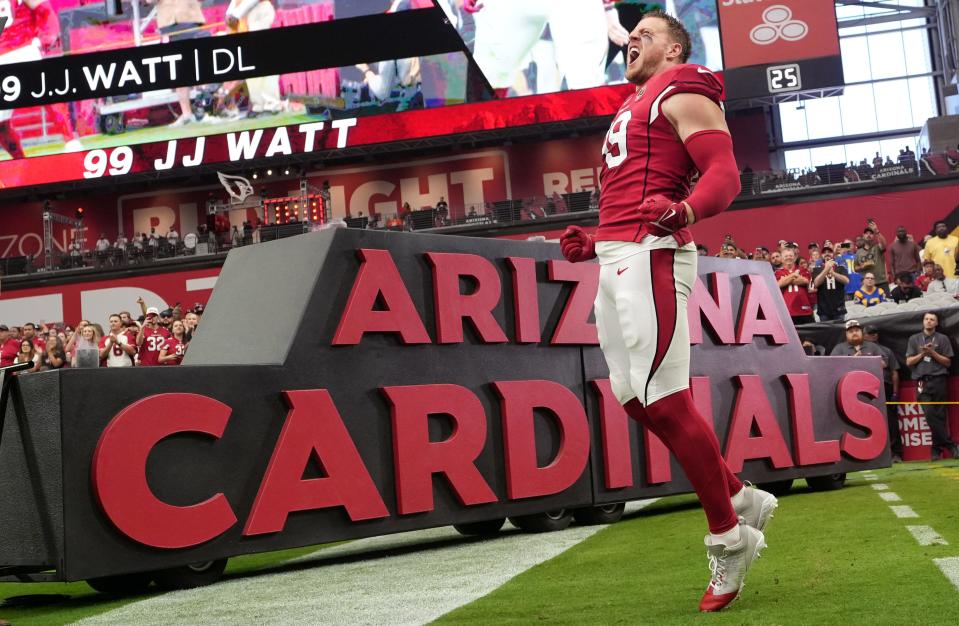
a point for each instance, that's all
(10, 140)
(679, 424)
(60, 117)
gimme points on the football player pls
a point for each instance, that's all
(672, 126)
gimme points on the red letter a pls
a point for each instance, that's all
(313, 426)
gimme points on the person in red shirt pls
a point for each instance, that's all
(30, 332)
(175, 346)
(9, 346)
(794, 283)
(151, 338)
(672, 126)
(928, 273)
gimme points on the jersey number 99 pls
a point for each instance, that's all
(614, 149)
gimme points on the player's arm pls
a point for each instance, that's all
(701, 126)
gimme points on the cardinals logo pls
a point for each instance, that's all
(238, 187)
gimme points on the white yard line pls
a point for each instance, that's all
(949, 566)
(903, 511)
(890, 496)
(434, 572)
(870, 477)
(926, 536)
(880, 486)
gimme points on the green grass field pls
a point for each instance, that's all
(833, 557)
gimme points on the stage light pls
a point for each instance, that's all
(286, 172)
(269, 172)
(256, 175)
(78, 213)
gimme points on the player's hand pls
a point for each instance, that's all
(662, 216)
(472, 6)
(577, 245)
(617, 34)
(232, 22)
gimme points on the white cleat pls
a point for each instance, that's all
(73, 145)
(728, 566)
(757, 507)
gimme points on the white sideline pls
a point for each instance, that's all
(903, 511)
(890, 496)
(412, 587)
(926, 536)
(949, 566)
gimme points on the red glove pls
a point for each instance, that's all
(577, 245)
(662, 216)
(472, 6)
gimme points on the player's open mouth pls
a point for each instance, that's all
(633, 55)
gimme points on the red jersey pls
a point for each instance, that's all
(796, 296)
(24, 25)
(174, 346)
(9, 350)
(153, 341)
(643, 156)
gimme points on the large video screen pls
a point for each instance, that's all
(160, 88)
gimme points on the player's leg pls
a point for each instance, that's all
(581, 40)
(611, 337)
(657, 336)
(505, 33)
(651, 297)
(62, 124)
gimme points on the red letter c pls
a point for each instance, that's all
(120, 479)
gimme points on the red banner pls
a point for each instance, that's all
(314, 138)
(758, 33)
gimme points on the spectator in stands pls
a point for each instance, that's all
(905, 289)
(116, 347)
(847, 258)
(175, 345)
(168, 315)
(815, 255)
(103, 249)
(702, 250)
(794, 284)
(29, 354)
(929, 356)
(928, 271)
(854, 344)
(869, 295)
(904, 254)
(172, 239)
(9, 346)
(942, 250)
(940, 283)
(761, 253)
(830, 282)
(776, 260)
(55, 357)
(877, 161)
(151, 338)
(890, 377)
(29, 332)
(727, 251)
(190, 321)
(872, 256)
(87, 351)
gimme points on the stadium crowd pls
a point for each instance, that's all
(862, 276)
(154, 338)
